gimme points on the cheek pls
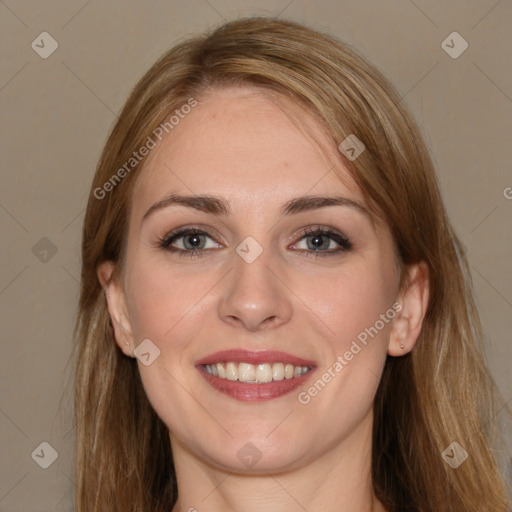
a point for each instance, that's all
(350, 301)
(165, 307)
(161, 302)
(356, 306)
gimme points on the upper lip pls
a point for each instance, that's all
(254, 357)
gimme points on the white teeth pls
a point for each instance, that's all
(278, 371)
(231, 371)
(221, 370)
(246, 372)
(253, 374)
(264, 373)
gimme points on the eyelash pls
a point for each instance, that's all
(343, 242)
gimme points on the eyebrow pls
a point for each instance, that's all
(218, 206)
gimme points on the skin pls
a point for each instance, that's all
(240, 145)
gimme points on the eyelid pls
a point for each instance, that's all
(183, 230)
(337, 236)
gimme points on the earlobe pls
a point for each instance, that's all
(115, 297)
(413, 299)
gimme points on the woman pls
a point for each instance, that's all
(275, 312)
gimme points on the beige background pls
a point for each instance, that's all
(56, 113)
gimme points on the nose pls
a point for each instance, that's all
(255, 296)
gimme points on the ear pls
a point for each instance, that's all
(114, 293)
(413, 299)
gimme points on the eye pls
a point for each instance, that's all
(191, 241)
(323, 242)
(188, 241)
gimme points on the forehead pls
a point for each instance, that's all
(251, 147)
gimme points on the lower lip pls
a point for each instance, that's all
(254, 392)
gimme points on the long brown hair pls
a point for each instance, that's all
(439, 393)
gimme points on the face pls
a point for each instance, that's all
(272, 312)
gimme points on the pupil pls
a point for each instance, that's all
(194, 240)
(317, 241)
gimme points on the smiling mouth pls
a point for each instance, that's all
(255, 376)
(255, 373)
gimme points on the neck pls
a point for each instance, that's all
(338, 481)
